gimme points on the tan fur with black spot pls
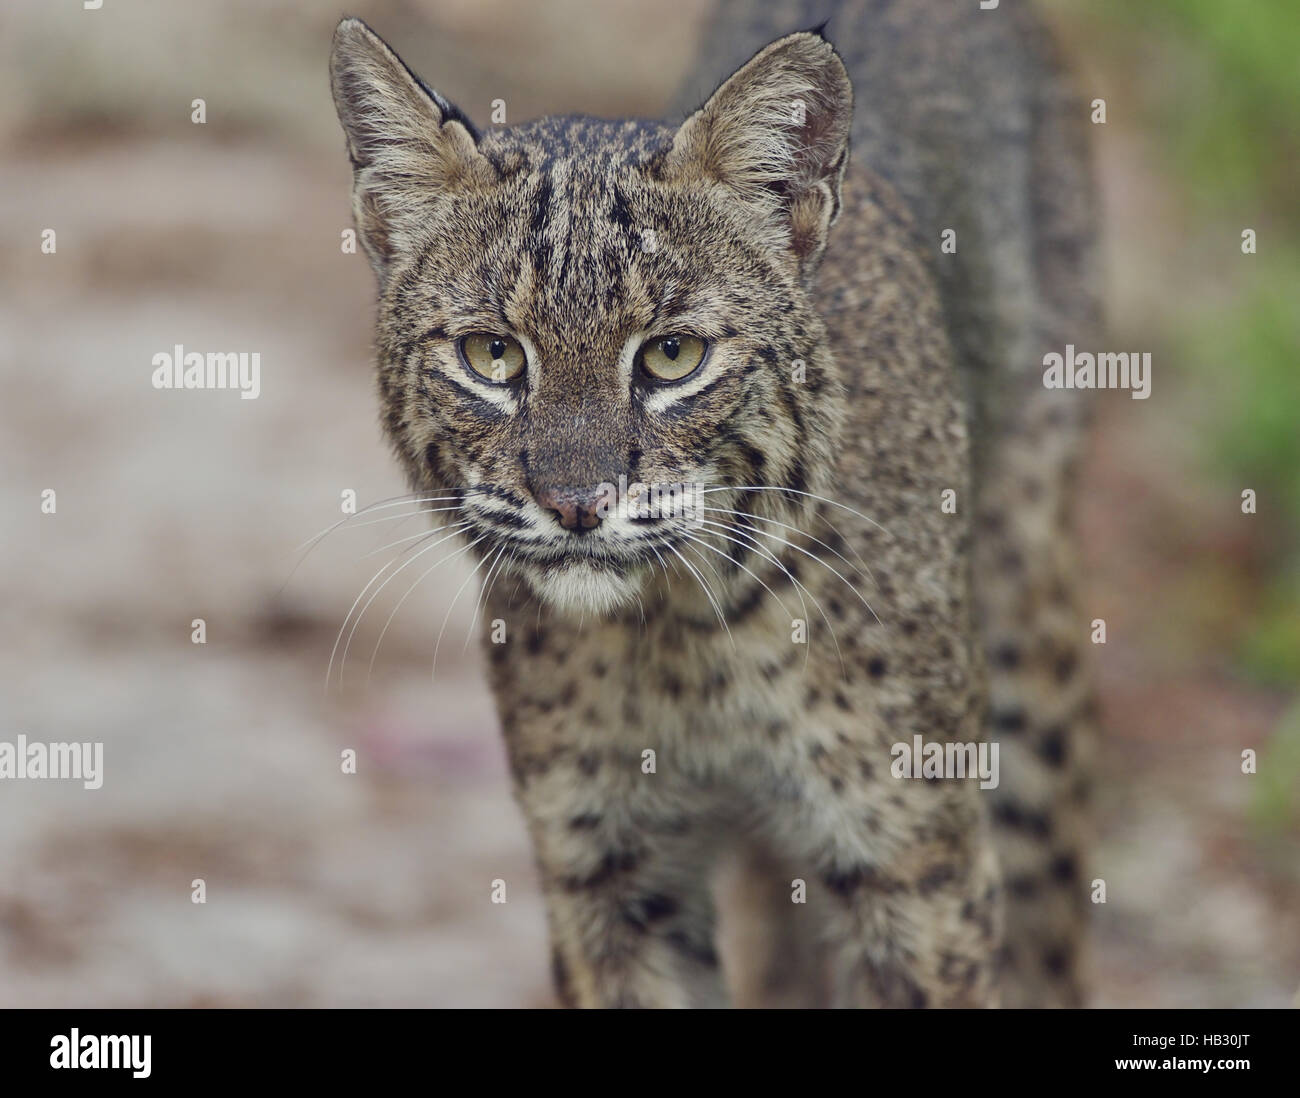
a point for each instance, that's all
(828, 416)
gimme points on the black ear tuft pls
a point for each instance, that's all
(775, 135)
(408, 144)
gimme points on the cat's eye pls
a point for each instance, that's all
(672, 357)
(492, 356)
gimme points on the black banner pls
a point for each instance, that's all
(337, 1047)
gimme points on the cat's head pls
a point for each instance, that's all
(572, 306)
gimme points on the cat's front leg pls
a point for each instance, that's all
(923, 939)
(923, 927)
(624, 868)
(910, 892)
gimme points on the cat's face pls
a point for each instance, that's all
(571, 308)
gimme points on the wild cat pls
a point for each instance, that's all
(753, 308)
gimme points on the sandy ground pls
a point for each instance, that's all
(223, 759)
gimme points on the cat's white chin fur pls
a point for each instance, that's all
(578, 587)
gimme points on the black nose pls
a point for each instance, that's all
(577, 509)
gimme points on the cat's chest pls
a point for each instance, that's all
(711, 694)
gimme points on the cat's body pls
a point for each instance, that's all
(671, 690)
(968, 114)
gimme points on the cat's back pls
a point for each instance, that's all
(969, 114)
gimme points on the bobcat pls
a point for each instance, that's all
(878, 545)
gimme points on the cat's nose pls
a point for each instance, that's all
(577, 509)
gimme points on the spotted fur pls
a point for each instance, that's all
(768, 659)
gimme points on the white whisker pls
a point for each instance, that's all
(813, 557)
(481, 601)
(796, 492)
(455, 599)
(453, 531)
(383, 505)
(409, 537)
(393, 501)
(708, 593)
(389, 621)
(733, 560)
(787, 526)
(800, 589)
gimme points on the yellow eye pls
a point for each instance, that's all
(672, 357)
(496, 358)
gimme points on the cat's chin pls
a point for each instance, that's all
(582, 588)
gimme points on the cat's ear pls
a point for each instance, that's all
(405, 141)
(776, 134)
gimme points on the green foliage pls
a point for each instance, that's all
(1228, 114)
(1248, 354)
(1275, 806)
(1219, 95)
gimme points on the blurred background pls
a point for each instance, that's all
(222, 760)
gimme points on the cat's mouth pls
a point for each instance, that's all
(577, 560)
(579, 574)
